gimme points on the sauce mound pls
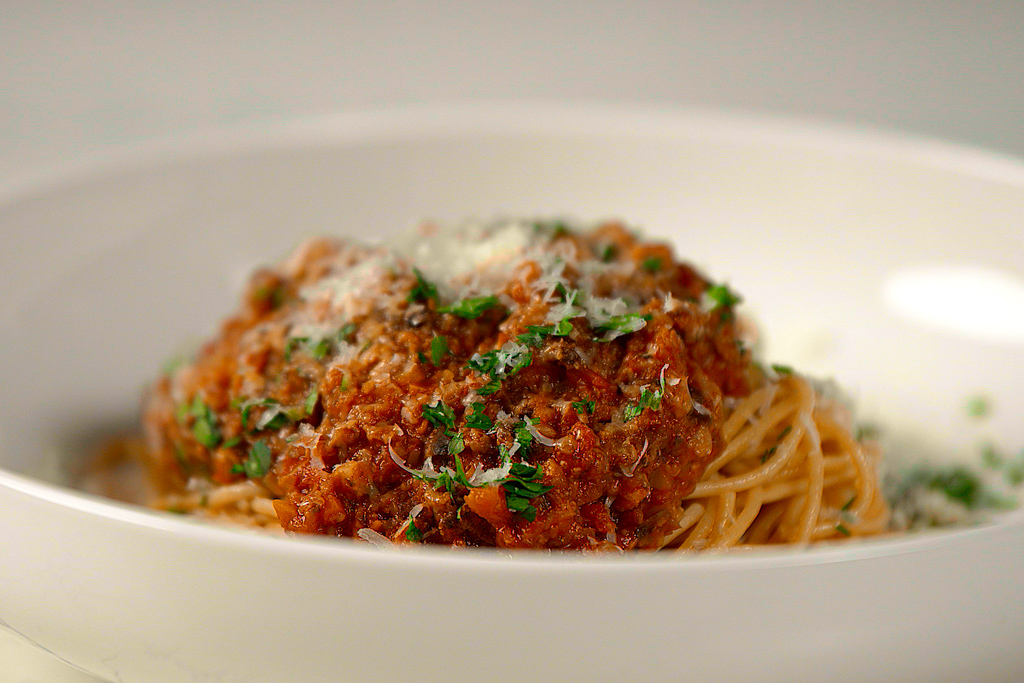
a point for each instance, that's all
(515, 384)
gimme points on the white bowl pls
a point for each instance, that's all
(826, 231)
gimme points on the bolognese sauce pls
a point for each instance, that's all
(516, 384)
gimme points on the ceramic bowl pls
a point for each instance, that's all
(895, 265)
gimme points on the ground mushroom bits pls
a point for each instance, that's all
(516, 384)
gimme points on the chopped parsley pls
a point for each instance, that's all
(438, 349)
(412, 532)
(422, 290)
(232, 442)
(204, 425)
(522, 434)
(584, 407)
(310, 403)
(346, 332)
(978, 406)
(652, 264)
(618, 325)
(521, 486)
(841, 528)
(649, 398)
(500, 364)
(471, 309)
(317, 348)
(440, 415)
(257, 464)
(722, 297)
(535, 334)
(782, 370)
(477, 419)
(456, 444)
(275, 415)
(521, 481)
(607, 253)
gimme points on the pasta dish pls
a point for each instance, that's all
(515, 384)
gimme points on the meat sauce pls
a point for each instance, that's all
(567, 393)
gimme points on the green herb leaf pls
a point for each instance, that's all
(457, 444)
(522, 434)
(257, 464)
(232, 442)
(477, 419)
(471, 308)
(438, 349)
(843, 530)
(977, 406)
(310, 403)
(722, 297)
(422, 290)
(782, 370)
(651, 264)
(582, 407)
(346, 332)
(440, 415)
(648, 399)
(412, 533)
(607, 253)
(204, 426)
(618, 325)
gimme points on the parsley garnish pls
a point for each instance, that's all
(477, 419)
(275, 415)
(843, 530)
(618, 325)
(310, 402)
(232, 442)
(257, 464)
(582, 407)
(440, 415)
(977, 406)
(522, 434)
(607, 252)
(521, 486)
(422, 290)
(471, 309)
(412, 532)
(500, 364)
(651, 264)
(204, 426)
(346, 332)
(534, 336)
(438, 349)
(782, 370)
(722, 296)
(649, 398)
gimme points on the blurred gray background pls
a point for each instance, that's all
(78, 78)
